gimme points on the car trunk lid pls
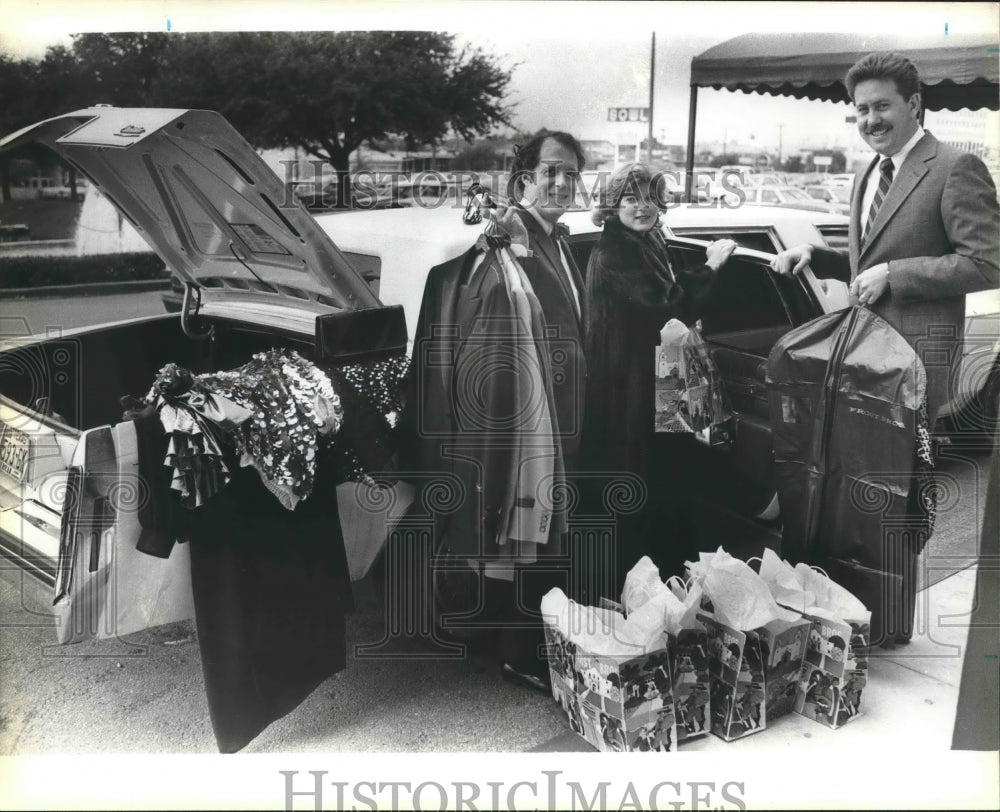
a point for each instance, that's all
(204, 200)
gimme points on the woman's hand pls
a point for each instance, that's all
(718, 252)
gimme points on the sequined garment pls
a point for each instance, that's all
(924, 473)
(274, 410)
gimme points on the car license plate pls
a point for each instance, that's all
(14, 448)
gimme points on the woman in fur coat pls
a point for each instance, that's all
(632, 291)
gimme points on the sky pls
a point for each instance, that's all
(571, 61)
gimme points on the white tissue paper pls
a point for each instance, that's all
(785, 586)
(641, 583)
(831, 596)
(605, 631)
(740, 598)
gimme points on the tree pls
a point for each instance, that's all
(122, 69)
(16, 80)
(328, 93)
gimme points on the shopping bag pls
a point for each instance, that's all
(689, 667)
(690, 395)
(616, 701)
(834, 665)
(105, 587)
(834, 672)
(835, 669)
(755, 646)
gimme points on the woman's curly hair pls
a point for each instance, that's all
(633, 179)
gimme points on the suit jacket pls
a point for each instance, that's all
(939, 231)
(448, 427)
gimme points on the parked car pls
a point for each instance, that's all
(767, 179)
(62, 191)
(839, 197)
(326, 198)
(258, 275)
(843, 179)
(787, 196)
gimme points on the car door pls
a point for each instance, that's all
(748, 310)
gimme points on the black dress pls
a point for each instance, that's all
(631, 293)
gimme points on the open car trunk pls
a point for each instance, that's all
(258, 269)
(243, 468)
(55, 391)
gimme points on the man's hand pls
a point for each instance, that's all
(506, 218)
(793, 261)
(869, 285)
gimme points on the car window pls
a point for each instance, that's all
(580, 246)
(744, 296)
(795, 194)
(768, 196)
(758, 239)
(818, 194)
(834, 235)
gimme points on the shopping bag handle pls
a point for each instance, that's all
(684, 584)
(755, 558)
(821, 571)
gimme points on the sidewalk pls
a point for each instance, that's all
(146, 696)
(909, 703)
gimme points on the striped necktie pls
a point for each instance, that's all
(885, 168)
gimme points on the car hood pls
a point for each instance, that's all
(204, 200)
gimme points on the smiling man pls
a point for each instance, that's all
(477, 406)
(925, 224)
(924, 232)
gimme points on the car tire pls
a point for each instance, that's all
(976, 423)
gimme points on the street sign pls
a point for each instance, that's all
(822, 160)
(631, 115)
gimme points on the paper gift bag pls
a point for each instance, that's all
(621, 704)
(690, 395)
(834, 671)
(105, 587)
(782, 645)
(736, 678)
(692, 687)
(753, 674)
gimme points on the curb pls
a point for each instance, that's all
(87, 289)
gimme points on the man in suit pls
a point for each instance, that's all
(924, 232)
(463, 405)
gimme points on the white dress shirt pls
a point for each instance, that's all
(547, 227)
(871, 181)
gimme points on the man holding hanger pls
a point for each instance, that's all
(924, 232)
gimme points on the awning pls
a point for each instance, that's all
(956, 71)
